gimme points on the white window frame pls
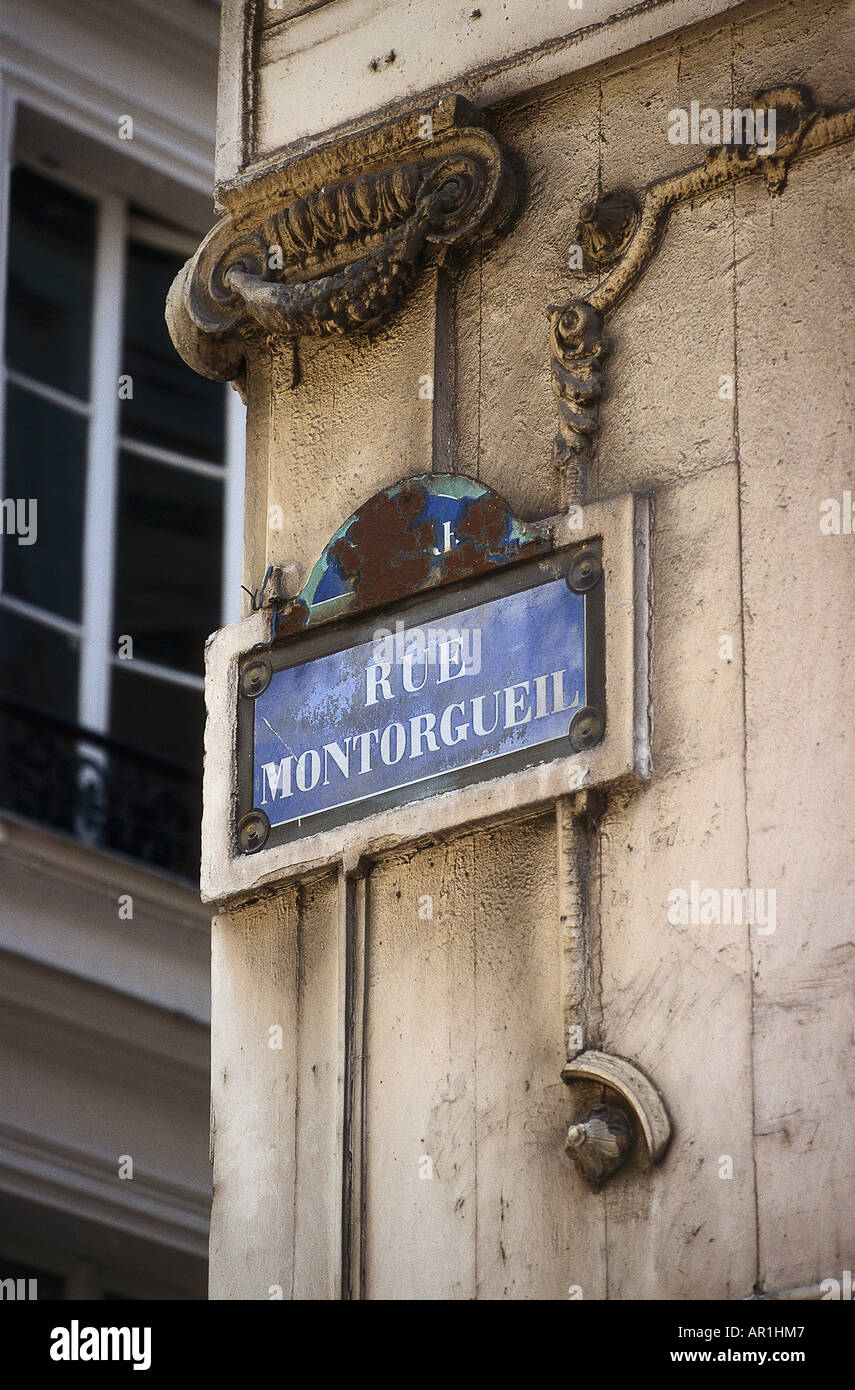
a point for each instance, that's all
(114, 226)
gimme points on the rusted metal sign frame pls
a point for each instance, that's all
(621, 526)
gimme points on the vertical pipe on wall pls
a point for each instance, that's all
(354, 897)
(573, 934)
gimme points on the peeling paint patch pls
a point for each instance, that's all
(424, 532)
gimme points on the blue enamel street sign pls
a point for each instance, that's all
(435, 698)
(451, 688)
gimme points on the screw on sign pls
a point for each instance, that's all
(586, 728)
(255, 678)
(585, 572)
(252, 832)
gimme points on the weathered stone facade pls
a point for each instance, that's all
(726, 403)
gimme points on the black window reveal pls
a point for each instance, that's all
(129, 779)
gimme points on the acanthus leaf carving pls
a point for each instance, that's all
(578, 352)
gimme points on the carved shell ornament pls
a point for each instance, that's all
(605, 228)
(337, 261)
(599, 1144)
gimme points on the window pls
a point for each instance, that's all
(115, 491)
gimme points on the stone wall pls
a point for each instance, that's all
(729, 402)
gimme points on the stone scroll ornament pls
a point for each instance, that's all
(620, 233)
(338, 260)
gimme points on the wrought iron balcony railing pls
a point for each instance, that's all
(103, 791)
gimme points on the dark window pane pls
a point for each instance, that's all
(156, 806)
(139, 793)
(51, 269)
(38, 665)
(172, 406)
(45, 461)
(38, 763)
(158, 715)
(168, 561)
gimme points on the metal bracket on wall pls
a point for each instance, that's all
(601, 1141)
(622, 232)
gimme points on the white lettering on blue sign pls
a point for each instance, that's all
(420, 703)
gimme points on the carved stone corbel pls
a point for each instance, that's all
(623, 233)
(338, 258)
(599, 1143)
